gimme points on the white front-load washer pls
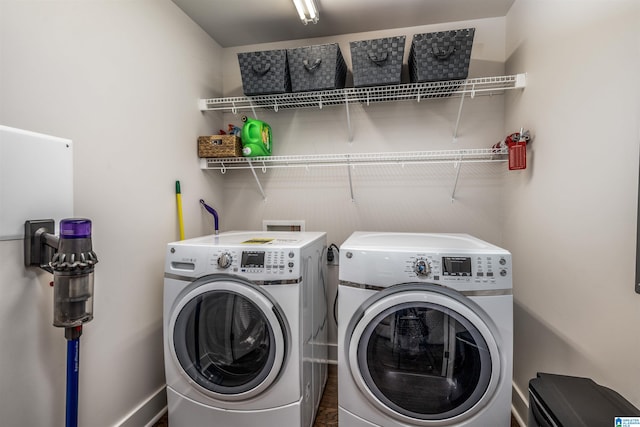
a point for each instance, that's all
(245, 329)
(425, 331)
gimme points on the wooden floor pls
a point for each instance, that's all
(328, 411)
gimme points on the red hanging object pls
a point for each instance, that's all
(518, 156)
(517, 145)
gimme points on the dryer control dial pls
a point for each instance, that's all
(422, 267)
(225, 260)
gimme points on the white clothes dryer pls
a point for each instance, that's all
(425, 331)
(245, 323)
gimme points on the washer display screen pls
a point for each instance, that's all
(456, 266)
(254, 259)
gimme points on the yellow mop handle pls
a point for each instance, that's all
(179, 204)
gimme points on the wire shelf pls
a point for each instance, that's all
(355, 159)
(404, 92)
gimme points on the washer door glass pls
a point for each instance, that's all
(424, 361)
(225, 341)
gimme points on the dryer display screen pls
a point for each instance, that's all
(252, 259)
(456, 266)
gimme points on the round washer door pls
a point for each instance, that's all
(228, 338)
(424, 355)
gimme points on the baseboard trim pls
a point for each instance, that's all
(148, 412)
(519, 406)
(152, 409)
(159, 415)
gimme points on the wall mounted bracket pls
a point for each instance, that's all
(40, 243)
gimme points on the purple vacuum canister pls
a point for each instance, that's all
(73, 266)
(75, 228)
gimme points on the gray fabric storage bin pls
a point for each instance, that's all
(443, 55)
(377, 62)
(317, 67)
(264, 72)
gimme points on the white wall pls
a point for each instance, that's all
(571, 216)
(121, 79)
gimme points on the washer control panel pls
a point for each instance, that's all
(260, 262)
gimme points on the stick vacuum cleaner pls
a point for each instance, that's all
(71, 259)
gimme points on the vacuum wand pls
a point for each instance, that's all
(73, 374)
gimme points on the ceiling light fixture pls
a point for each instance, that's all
(307, 11)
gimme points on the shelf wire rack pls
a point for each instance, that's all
(462, 89)
(352, 160)
(403, 92)
(356, 159)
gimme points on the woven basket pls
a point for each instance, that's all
(264, 72)
(377, 62)
(318, 67)
(219, 146)
(443, 55)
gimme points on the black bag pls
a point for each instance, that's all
(318, 67)
(377, 62)
(264, 72)
(438, 56)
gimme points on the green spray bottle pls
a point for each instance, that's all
(256, 138)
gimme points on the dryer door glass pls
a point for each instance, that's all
(424, 361)
(224, 342)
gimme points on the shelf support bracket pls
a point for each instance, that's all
(255, 176)
(458, 166)
(253, 109)
(349, 129)
(350, 180)
(455, 129)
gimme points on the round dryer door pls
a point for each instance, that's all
(228, 338)
(424, 355)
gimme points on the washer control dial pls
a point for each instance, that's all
(422, 267)
(225, 260)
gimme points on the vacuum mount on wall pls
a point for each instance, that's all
(71, 260)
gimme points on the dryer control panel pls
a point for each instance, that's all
(457, 268)
(463, 271)
(458, 261)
